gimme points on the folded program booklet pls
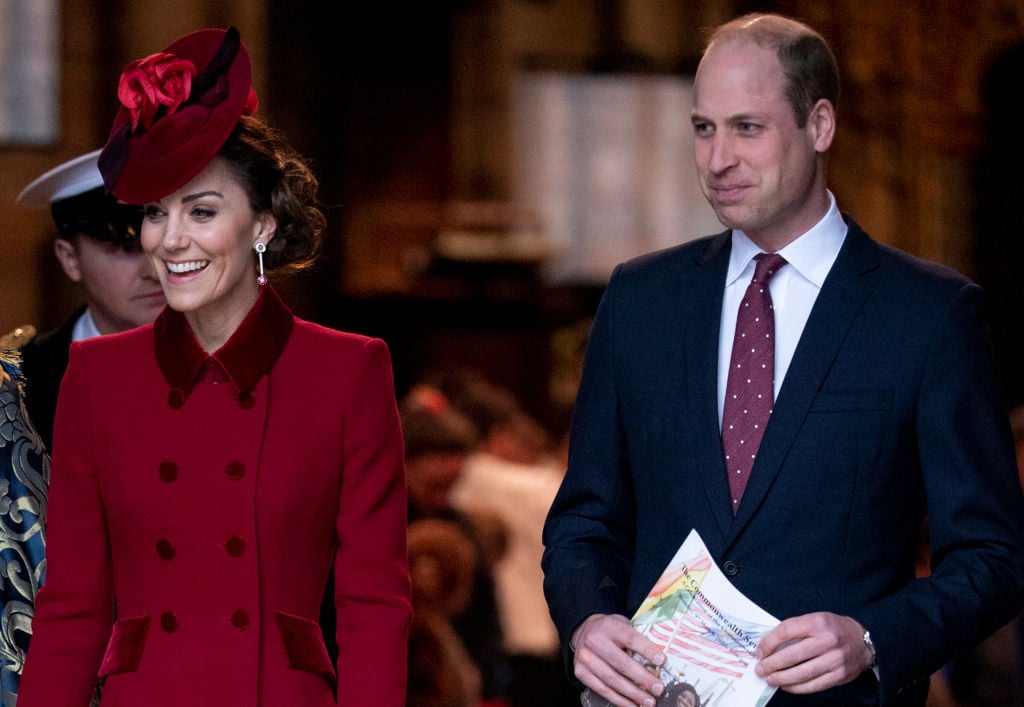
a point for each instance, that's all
(708, 632)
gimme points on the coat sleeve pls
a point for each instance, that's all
(372, 587)
(590, 529)
(74, 608)
(975, 510)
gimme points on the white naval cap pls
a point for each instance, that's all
(69, 179)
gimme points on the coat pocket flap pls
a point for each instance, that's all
(304, 645)
(124, 649)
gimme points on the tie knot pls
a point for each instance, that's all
(766, 265)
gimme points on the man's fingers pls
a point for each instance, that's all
(614, 687)
(604, 661)
(812, 653)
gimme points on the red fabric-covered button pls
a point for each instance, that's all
(246, 400)
(165, 548)
(176, 398)
(168, 471)
(169, 622)
(235, 470)
(236, 546)
(240, 619)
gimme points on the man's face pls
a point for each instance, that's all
(120, 287)
(760, 172)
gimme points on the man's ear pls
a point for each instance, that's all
(822, 123)
(67, 254)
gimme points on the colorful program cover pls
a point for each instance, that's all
(708, 631)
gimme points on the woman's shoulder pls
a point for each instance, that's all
(308, 334)
(319, 332)
(118, 349)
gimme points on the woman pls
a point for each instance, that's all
(208, 469)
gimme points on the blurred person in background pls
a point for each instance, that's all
(514, 473)
(438, 440)
(98, 247)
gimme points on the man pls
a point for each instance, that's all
(886, 407)
(98, 247)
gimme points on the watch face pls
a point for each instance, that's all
(871, 646)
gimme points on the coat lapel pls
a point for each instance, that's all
(702, 314)
(841, 298)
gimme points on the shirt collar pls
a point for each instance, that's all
(246, 357)
(811, 254)
(85, 327)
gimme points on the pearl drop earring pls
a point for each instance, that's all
(262, 277)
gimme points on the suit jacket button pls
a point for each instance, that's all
(169, 622)
(236, 546)
(176, 398)
(240, 619)
(235, 470)
(246, 400)
(730, 568)
(165, 548)
(168, 471)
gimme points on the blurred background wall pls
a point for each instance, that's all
(422, 121)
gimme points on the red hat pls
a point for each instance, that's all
(178, 108)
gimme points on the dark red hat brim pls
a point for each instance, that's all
(177, 147)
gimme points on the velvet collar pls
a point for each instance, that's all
(246, 357)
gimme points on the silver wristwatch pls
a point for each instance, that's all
(871, 646)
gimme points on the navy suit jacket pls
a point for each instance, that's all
(890, 409)
(44, 360)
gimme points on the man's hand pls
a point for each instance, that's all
(813, 652)
(603, 661)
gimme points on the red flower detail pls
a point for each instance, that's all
(252, 102)
(155, 81)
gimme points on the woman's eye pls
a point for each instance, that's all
(202, 212)
(152, 212)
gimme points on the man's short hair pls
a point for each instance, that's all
(808, 65)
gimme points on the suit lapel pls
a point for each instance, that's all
(702, 314)
(841, 298)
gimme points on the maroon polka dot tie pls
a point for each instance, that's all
(749, 392)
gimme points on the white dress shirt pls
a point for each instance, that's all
(794, 289)
(85, 327)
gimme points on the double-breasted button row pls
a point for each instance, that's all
(235, 547)
(239, 619)
(165, 548)
(168, 471)
(169, 622)
(176, 399)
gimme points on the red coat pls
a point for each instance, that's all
(196, 506)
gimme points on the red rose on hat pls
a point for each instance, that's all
(157, 80)
(178, 108)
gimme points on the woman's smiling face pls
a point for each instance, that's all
(200, 240)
